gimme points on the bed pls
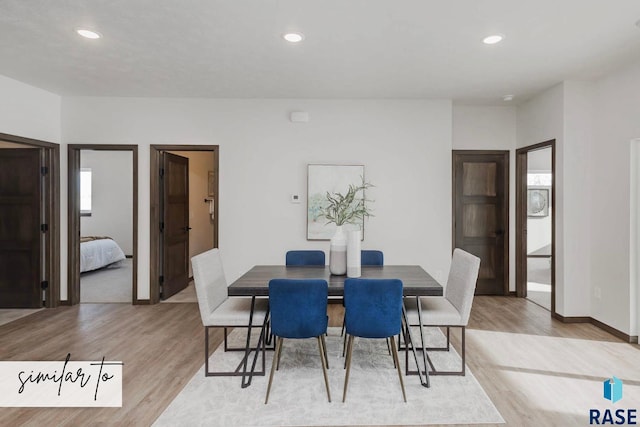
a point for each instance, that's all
(97, 252)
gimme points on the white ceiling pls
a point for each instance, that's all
(353, 48)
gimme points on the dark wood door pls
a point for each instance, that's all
(175, 224)
(20, 232)
(481, 215)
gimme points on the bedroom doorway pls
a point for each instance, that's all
(535, 224)
(103, 230)
(183, 223)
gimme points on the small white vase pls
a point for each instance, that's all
(354, 266)
(338, 253)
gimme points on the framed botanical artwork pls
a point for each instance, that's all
(537, 202)
(323, 179)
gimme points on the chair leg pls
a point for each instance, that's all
(325, 363)
(344, 345)
(206, 350)
(324, 348)
(462, 370)
(348, 361)
(345, 350)
(279, 351)
(273, 365)
(397, 363)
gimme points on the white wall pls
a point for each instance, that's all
(577, 172)
(405, 146)
(28, 111)
(541, 119)
(490, 128)
(201, 233)
(31, 112)
(112, 196)
(634, 253)
(617, 122)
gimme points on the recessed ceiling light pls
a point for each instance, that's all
(508, 97)
(293, 37)
(88, 33)
(493, 39)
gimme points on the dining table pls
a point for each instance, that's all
(415, 280)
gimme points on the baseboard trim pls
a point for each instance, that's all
(614, 331)
(572, 319)
(633, 339)
(142, 302)
(65, 303)
(128, 256)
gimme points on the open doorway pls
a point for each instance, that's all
(535, 224)
(29, 223)
(102, 224)
(184, 221)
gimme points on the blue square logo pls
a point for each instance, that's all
(613, 389)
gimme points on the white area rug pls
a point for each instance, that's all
(298, 396)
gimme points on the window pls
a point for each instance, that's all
(85, 192)
(539, 178)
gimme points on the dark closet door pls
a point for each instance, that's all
(481, 215)
(20, 232)
(175, 227)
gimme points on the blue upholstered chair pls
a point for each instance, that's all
(373, 310)
(452, 310)
(305, 258)
(298, 310)
(367, 258)
(371, 258)
(217, 310)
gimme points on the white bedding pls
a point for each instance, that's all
(99, 253)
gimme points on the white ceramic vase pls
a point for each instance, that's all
(354, 265)
(338, 253)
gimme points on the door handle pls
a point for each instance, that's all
(187, 228)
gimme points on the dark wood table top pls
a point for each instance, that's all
(416, 281)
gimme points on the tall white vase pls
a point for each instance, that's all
(354, 265)
(338, 253)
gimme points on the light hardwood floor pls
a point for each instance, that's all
(536, 370)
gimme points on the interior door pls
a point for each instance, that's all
(481, 216)
(175, 224)
(20, 228)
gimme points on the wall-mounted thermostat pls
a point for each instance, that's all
(295, 198)
(299, 117)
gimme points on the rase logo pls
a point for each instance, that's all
(612, 389)
(612, 392)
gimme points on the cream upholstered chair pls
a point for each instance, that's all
(217, 310)
(452, 310)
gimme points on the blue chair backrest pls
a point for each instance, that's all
(371, 258)
(305, 258)
(373, 307)
(298, 307)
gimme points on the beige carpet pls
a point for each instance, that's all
(298, 396)
(113, 283)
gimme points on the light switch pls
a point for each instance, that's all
(295, 198)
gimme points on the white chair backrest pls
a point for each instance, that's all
(461, 283)
(211, 285)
